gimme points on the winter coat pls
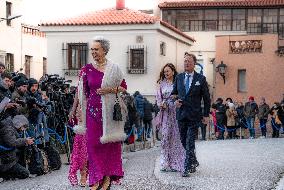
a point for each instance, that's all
(9, 138)
(4, 91)
(23, 109)
(220, 113)
(281, 114)
(231, 114)
(139, 104)
(148, 109)
(263, 111)
(131, 108)
(277, 113)
(250, 109)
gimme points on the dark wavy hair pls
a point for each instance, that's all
(162, 75)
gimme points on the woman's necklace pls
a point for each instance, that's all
(100, 65)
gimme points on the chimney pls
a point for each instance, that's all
(120, 4)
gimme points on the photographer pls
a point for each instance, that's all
(38, 124)
(2, 69)
(20, 96)
(9, 137)
(7, 108)
(5, 85)
(37, 118)
(33, 91)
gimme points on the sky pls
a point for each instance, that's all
(35, 11)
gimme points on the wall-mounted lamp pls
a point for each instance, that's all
(221, 69)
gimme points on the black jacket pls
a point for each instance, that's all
(9, 139)
(221, 113)
(250, 109)
(148, 109)
(5, 91)
(191, 102)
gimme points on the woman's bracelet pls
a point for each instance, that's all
(114, 90)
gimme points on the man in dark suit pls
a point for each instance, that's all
(189, 90)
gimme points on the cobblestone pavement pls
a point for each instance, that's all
(232, 164)
(139, 174)
(255, 164)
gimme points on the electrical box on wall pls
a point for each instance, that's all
(139, 39)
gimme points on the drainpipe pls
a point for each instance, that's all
(214, 80)
(176, 64)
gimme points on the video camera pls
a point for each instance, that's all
(53, 83)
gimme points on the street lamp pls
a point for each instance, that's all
(221, 69)
(10, 18)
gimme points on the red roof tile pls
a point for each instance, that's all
(219, 3)
(106, 17)
(114, 17)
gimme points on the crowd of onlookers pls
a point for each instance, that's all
(228, 120)
(140, 116)
(237, 118)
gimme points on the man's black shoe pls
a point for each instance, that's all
(192, 169)
(195, 164)
(185, 174)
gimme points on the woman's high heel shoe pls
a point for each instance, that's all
(106, 183)
(73, 180)
(96, 187)
(83, 180)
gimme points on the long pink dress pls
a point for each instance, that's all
(78, 156)
(104, 159)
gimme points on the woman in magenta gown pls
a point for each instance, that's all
(104, 160)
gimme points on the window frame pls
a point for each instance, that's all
(239, 81)
(44, 65)
(81, 53)
(252, 20)
(28, 65)
(9, 62)
(223, 19)
(133, 52)
(210, 20)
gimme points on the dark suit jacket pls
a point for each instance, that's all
(191, 102)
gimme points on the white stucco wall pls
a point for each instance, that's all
(10, 36)
(36, 47)
(13, 41)
(205, 46)
(120, 38)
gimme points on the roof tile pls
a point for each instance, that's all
(219, 3)
(106, 17)
(114, 17)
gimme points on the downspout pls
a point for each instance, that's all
(214, 81)
(176, 54)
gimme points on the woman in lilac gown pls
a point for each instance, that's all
(104, 160)
(172, 153)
